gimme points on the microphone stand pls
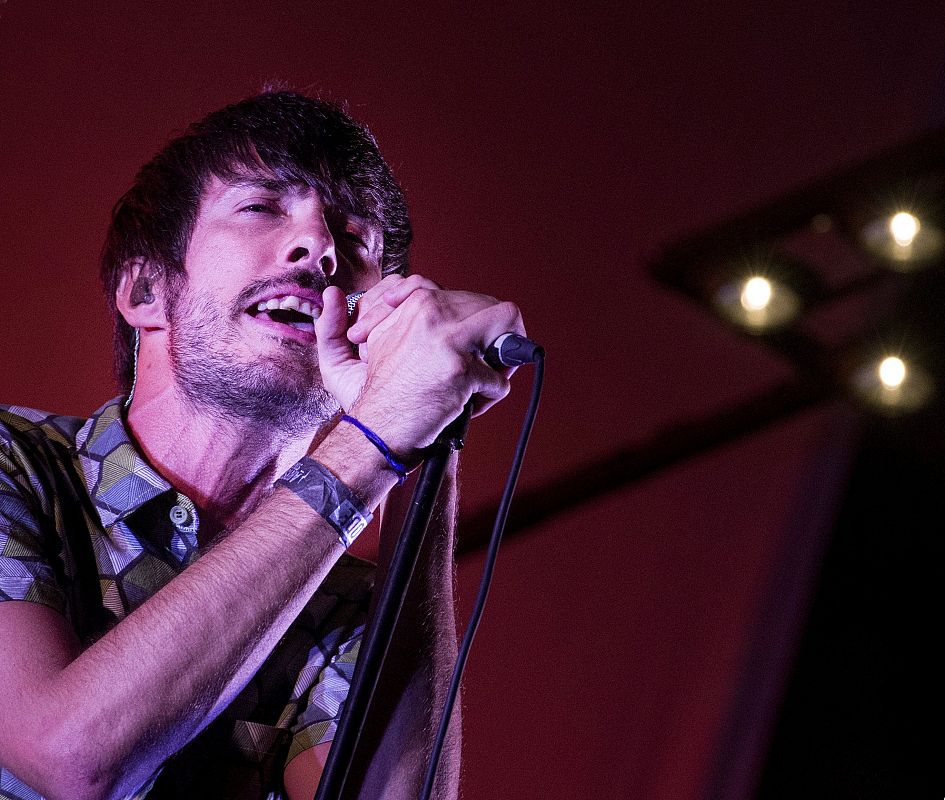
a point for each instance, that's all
(377, 638)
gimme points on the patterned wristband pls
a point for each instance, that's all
(329, 497)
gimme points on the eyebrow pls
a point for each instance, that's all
(268, 184)
(280, 186)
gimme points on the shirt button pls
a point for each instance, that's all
(179, 515)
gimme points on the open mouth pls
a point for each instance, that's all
(287, 310)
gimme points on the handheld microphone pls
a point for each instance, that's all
(352, 301)
(509, 350)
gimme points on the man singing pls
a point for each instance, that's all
(180, 615)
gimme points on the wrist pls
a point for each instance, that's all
(329, 497)
(392, 460)
(392, 428)
(357, 463)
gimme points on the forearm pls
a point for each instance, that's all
(103, 724)
(107, 720)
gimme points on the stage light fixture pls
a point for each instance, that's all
(816, 272)
(892, 385)
(757, 303)
(903, 240)
(760, 300)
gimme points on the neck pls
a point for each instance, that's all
(224, 465)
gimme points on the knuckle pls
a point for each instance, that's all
(456, 365)
(510, 310)
(430, 304)
(423, 282)
(394, 279)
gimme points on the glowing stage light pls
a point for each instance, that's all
(904, 227)
(757, 303)
(892, 372)
(892, 386)
(902, 240)
(756, 294)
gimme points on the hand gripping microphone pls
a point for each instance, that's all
(509, 350)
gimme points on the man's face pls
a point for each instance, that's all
(241, 325)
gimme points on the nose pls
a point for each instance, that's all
(311, 243)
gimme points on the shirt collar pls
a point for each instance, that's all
(118, 478)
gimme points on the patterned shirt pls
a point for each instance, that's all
(90, 529)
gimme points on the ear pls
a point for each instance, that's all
(140, 295)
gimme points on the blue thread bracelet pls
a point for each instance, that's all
(381, 445)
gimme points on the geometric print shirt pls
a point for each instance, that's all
(90, 529)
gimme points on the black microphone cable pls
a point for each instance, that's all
(537, 354)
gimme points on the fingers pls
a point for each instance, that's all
(462, 321)
(334, 349)
(492, 386)
(426, 347)
(492, 322)
(378, 303)
(496, 319)
(484, 327)
(399, 292)
(343, 374)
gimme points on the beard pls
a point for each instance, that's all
(280, 390)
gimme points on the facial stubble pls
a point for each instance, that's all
(281, 390)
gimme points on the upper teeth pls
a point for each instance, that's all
(290, 301)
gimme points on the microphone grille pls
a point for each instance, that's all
(352, 301)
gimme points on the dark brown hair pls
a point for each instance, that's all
(297, 138)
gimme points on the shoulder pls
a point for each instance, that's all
(25, 426)
(35, 446)
(36, 454)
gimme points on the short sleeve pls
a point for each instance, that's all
(26, 571)
(336, 617)
(318, 721)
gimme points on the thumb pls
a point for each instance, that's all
(331, 330)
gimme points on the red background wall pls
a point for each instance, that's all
(547, 151)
